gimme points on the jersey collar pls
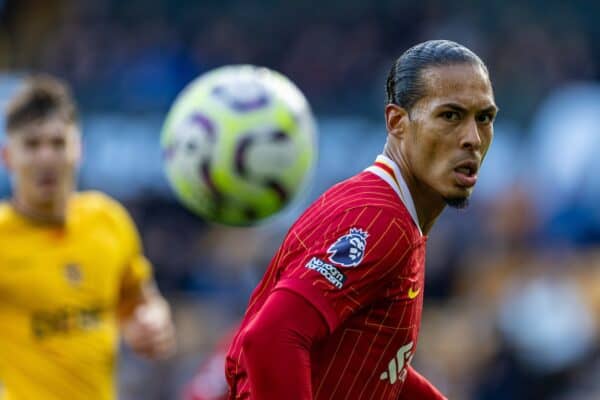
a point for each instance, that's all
(388, 170)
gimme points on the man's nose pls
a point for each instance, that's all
(471, 139)
(46, 153)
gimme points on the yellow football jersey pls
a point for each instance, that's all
(60, 287)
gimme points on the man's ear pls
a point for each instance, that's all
(396, 120)
(5, 156)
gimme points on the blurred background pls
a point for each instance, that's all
(513, 283)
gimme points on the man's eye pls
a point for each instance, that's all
(450, 115)
(485, 118)
(31, 144)
(58, 144)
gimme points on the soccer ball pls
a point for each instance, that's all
(239, 144)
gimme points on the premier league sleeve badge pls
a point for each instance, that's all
(349, 249)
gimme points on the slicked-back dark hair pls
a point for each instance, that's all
(405, 84)
(41, 97)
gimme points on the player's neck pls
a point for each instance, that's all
(52, 212)
(428, 204)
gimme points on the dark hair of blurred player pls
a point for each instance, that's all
(338, 311)
(80, 262)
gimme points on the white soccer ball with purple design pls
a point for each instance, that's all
(239, 144)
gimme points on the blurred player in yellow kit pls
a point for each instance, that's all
(72, 271)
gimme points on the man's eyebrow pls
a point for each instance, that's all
(491, 109)
(457, 107)
(453, 106)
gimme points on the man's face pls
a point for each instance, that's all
(42, 157)
(450, 130)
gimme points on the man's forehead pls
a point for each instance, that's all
(47, 128)
(464, 84)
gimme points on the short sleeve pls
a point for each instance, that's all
(136, 267)
(344, 264)
(137, 273)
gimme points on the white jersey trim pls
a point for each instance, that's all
(401, 188)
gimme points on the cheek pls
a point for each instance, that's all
(23, 161)
(429, 151)
(65, 158)
(433, 164)
(429, 147)
(74, 160)
(489, 138)
(74, 154)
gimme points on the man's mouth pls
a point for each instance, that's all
(47, 180)
(466, 173)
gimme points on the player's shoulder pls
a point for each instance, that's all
(94, 204)
(7, 214)
(364, 188)
(381, 220)
(363, 202)
(364, 194)
(94, 200)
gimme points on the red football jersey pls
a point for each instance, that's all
(358, 256)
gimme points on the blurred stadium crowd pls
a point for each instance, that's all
(513, 297)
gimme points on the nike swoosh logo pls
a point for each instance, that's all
(413, 293)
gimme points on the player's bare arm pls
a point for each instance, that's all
(146, 322)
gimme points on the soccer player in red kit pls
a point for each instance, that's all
(337, 314)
